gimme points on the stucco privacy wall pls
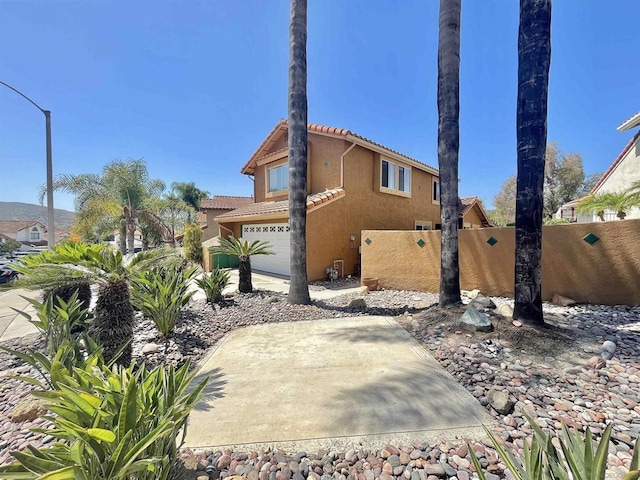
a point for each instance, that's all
(607, 272)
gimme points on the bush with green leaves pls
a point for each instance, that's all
(111, 423)
(193, 243)
(578, 457)
(57, 319)
(213, 284)
(556, 221)
(160, 294)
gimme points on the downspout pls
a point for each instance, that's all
(342, 163)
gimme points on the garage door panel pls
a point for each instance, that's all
(277, 234)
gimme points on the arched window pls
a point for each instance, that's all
(35, 234)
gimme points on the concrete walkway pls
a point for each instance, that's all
(12, 324)
(333, 383)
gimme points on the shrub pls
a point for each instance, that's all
(576, 459)
(66, 290)
(160, 294)
(193, 243)
(213, 284)
(556, 221)
(113, 423)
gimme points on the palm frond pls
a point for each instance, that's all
(242, 248)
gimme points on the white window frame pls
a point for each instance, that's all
(285, 168)
(34, 234)
(392, 178)
(422, 225)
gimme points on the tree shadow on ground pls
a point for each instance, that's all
(213, 390)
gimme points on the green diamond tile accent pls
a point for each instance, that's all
(421, 242)
(367, 241)
(492, 241)
(591, 238)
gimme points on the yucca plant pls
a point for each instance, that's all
(579, 458)
(243, 250)
(161, 294)
(213, 284)
(112, 423)
(113, 324)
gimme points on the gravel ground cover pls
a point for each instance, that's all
(552, 385)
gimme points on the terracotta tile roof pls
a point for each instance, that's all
(201, 218)
(615, 163)
(282, 206)
(467, 203)
(630, 123)
(14, 226)
(223, 202)
(282, 126)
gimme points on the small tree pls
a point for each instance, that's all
(9, 245)
(193, 243)
(243, 250)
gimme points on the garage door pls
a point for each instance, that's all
(277, 234)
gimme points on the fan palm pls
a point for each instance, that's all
(620, 202)
(117, 198)
(110, 270)
(243, 250)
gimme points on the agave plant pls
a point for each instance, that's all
(108, 268)
(243, 250)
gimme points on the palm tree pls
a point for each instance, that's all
(70, 263)
(243, 250)
(297, 105)
(119, 197)
(534, 59)
(448, 146)
(189, 194)
(620, 202)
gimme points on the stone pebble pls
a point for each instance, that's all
(549, 393)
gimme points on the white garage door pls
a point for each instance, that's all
(277, 234)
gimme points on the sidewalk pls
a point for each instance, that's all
(13, 325)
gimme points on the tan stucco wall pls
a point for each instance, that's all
(607, 272)
(212, 229)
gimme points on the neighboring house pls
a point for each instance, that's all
(353, 184)
(137, 240)
(219, 204)
(473, 214)
(29, 233)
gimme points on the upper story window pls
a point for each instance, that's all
(436, 191)
(279, 178)
(422, 225)
(35, 234)
(395, 177)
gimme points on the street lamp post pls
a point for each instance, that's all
(51, 240)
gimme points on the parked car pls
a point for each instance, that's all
(7, 274)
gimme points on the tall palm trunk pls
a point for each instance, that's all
(448, 146)
(244, 275)
(131, 234)
(122, 241)
(299, 287)
(113, 324)
(534, 59)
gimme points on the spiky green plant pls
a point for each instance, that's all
(113, 324)
(213, 284)
(578, 457)
(244, 251)
(619, 202)
(161, 294)
(112, 423)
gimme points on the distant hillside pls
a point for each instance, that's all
(29, 211)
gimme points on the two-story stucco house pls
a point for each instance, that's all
(29, 232)
(353, 184)
(210, 208)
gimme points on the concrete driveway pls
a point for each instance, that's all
(12, 324)
(336, 383)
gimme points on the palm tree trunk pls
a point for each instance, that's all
(534, 59)
(244, 275)
(122, 241)
(448, 146)
(113, 324)
(131, 234)
(299, 286)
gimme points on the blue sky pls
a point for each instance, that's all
(193, 87)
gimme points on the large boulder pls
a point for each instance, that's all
(562, 301)
(482, 302)
(27, 409)
(505, 310)
(500, 402)
(358, 304)
(475, 321)
(607, 350)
